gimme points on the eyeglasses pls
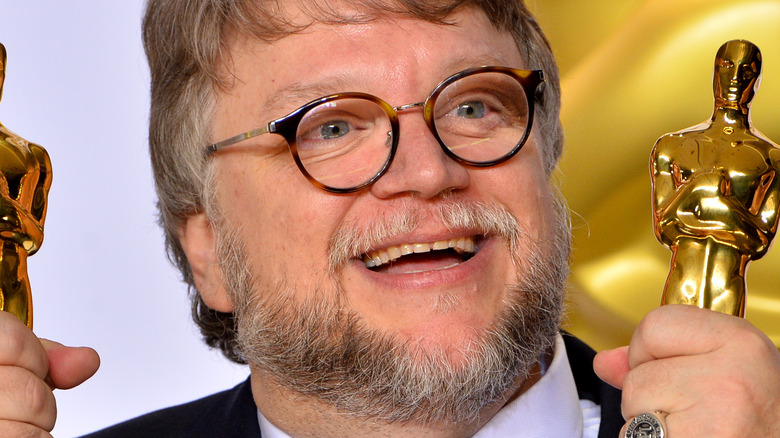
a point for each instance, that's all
(344, 142)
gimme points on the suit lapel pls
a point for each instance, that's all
(590, 387)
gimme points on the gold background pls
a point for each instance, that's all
(632, 71)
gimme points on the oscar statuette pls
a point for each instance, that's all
(716, 191)
(25, 178)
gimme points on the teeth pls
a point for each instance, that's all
(394, 252)
(378, 258)
(421, 247)
(441, 244)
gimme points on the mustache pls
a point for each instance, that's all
(487, 218)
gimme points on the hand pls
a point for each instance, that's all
(716, 375)
(29, 370)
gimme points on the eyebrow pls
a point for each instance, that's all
(296, 94)
(465, 62)
(299, 93)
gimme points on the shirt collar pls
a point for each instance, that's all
(550, 408)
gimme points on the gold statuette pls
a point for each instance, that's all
(25, 178)
(716, 191)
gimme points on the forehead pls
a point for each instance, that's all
(388, 56)
(740, 53)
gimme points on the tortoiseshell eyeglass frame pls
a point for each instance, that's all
(287, 126)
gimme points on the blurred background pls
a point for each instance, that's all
(632, 71)
(77, 83)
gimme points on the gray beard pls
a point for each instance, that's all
(322, 349)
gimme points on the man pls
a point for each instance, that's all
(364, 211)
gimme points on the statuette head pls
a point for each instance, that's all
(737, 74)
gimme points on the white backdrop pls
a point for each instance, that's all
(77, 83)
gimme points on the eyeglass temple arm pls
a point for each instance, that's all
(238, 138)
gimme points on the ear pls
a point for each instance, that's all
(199, 244)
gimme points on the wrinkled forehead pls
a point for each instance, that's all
(272, 20)
(366, 41)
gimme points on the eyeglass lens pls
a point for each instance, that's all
(482, 117)
(347, 141)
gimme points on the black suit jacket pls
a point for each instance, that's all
(233, 413)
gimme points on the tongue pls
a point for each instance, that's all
(428, 261)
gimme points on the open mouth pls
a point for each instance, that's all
(411, 258)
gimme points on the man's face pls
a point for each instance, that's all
(438, 302)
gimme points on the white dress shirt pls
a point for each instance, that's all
(549, 409)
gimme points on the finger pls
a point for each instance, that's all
(21, 430)
(25, 398)
(699, 397)
(669, 385)
(624, 429)
(612, 366)
(676, 330)
(70, 366)
(638, 432)
(19, 346)
(700, 423)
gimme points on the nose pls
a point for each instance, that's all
(420, 167)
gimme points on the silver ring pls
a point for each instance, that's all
(647, 425)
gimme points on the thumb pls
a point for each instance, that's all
(69, 366)
(612, 366)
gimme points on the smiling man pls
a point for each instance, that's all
(384, 273)
(358, 194)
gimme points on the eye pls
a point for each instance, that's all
(471, 110)
(334, 129)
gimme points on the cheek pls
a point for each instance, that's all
(285, 222)
(522, 186)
